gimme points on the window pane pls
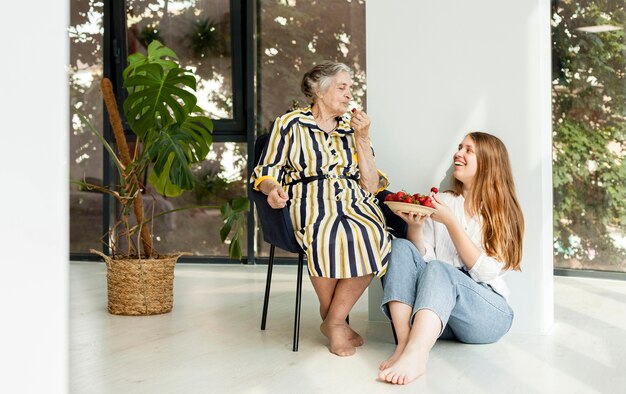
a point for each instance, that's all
(85, 72)
(199, 32)
(297, 35)
(220, 178)
(589, 124)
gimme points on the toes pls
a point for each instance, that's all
(356, 342)
(343, 351)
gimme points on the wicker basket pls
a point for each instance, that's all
(140, 287)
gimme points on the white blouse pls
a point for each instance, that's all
(439, 246)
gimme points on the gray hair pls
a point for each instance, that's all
(318, 78)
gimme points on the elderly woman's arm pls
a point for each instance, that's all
(367, 166)
(268, 174)
(360, 122)
(276, 196)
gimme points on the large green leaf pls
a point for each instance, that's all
(233, 216)
(162, 183)
(157, 54)
(178, 146)
(154, 96)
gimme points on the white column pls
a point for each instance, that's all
(34, 197)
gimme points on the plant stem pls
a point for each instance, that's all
(120, 139)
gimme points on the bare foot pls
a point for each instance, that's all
(389, 362)
(339, 337)
(405, 369)
(355, 339)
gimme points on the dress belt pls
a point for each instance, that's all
(308, 179)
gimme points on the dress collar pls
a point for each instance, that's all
(306, 119)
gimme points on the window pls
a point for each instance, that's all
(210, 36)
(589, 124)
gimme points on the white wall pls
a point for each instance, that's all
(437, 70)
(34, 232)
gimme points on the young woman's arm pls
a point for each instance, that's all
(486, 268)
(468, 252)
(465, 248)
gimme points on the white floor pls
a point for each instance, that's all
(211, 342)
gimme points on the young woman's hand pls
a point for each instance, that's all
(443, 214)
(413, 219)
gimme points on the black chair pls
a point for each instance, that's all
(278, 232)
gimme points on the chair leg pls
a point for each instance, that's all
(268, 283)
(296, 324)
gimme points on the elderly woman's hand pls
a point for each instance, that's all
(277, 198)
(360, 122)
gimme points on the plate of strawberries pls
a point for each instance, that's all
(404, 202)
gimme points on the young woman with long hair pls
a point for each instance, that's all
(445, 279)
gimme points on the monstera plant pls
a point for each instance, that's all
(171, 135)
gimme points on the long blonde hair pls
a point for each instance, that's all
(493, 197)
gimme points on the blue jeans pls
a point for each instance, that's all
(470, 312)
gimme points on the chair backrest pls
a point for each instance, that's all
(259, 146)
(275, 223)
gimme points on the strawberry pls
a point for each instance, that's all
(408, 199)
(390, 197)
(398, 197)
(422, 199)
(353, 110)
(434, 190)
(428, 203)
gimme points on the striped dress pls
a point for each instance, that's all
(337, 223)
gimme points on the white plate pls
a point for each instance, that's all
(407, 207)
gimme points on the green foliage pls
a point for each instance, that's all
(203, 37)
(233, 215)
(209, 185)
(159, 108)
(589, 124)
(150, 33)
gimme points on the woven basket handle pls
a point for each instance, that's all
(107, 258)
(99, 253)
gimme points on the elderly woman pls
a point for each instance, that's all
(320, 164)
